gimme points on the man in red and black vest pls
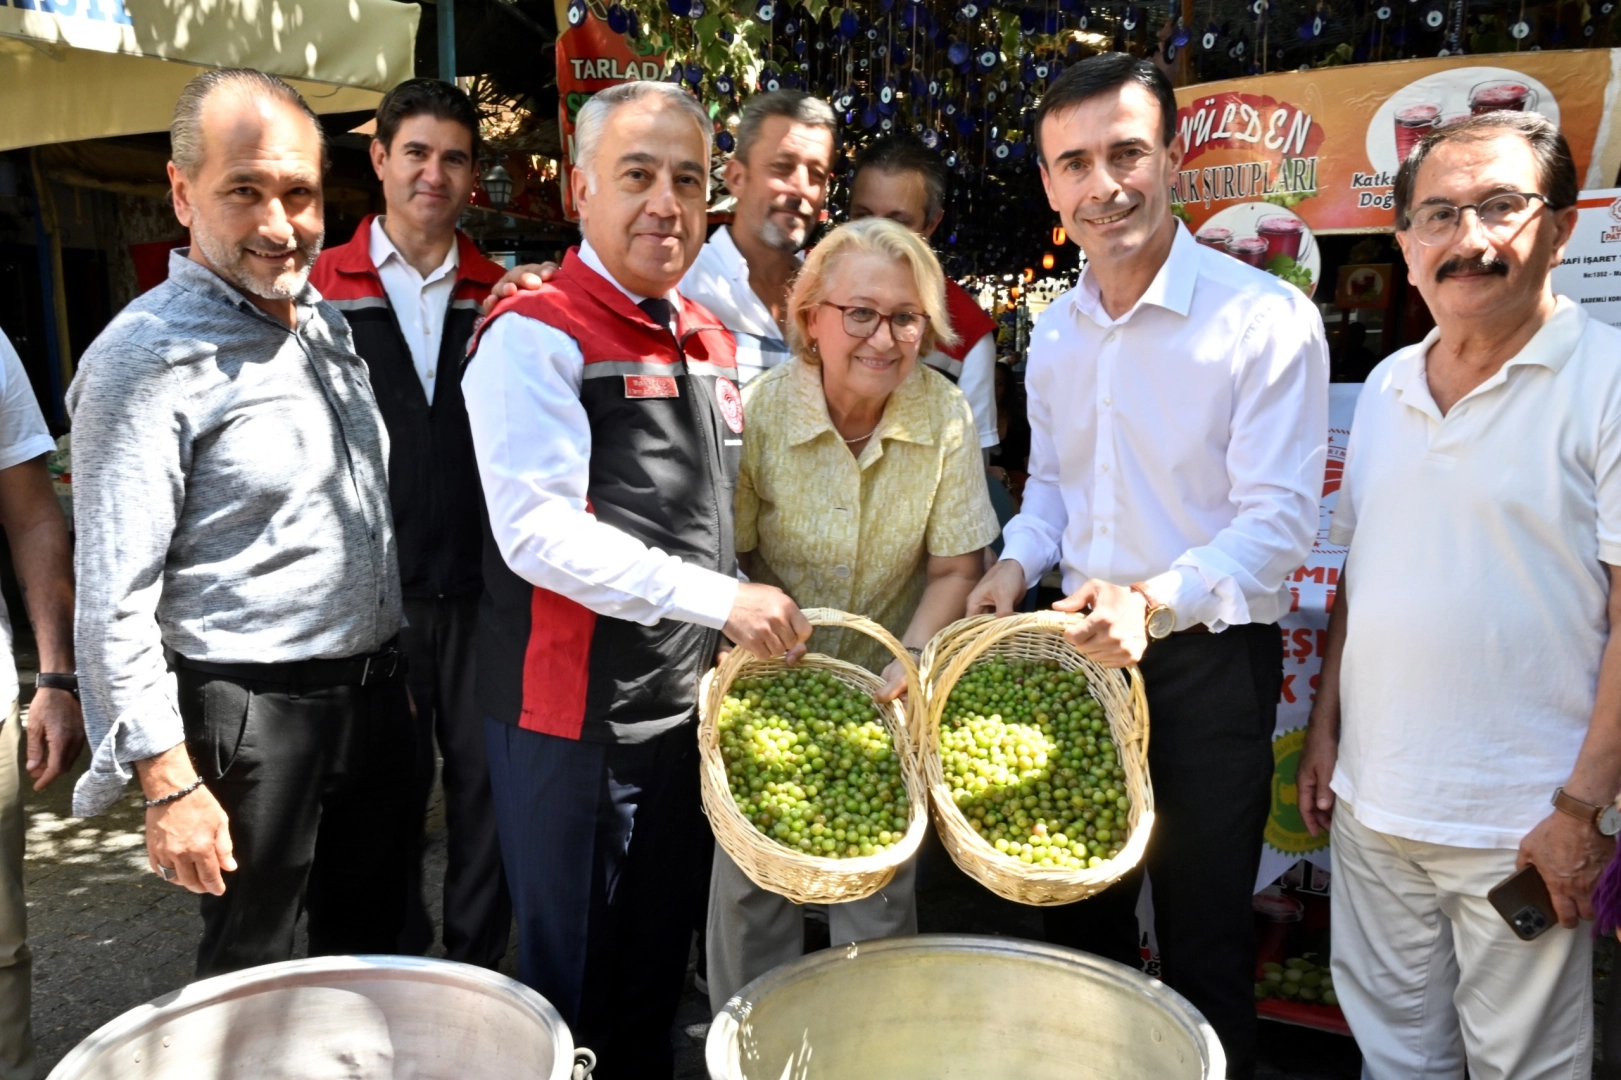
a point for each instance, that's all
(410, 285)
(900, 178)
(608, 426)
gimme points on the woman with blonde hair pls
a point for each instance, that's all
(861, 489)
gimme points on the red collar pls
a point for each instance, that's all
(355, 257)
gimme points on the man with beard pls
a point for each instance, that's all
(779, 176)
(240, 595)
(1475, 675)
(1178, 406)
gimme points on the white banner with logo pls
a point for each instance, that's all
(1591, 272)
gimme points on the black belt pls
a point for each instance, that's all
(378, 667)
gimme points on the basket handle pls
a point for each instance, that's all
(729, 668)
(585, 1062)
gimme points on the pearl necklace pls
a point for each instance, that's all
(862, 438)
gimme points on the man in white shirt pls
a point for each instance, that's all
(42, 554)
(778, 177)
(409, 284)
(1473, 673)
(607, 426)
(1178, 403)
(899, 178)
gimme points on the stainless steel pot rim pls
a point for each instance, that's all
(721, 1047)
(331, 971)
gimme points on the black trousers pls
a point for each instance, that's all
(438, 643)
(607, 852)
(1212, 706)
(312, 784)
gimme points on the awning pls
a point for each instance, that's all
(86, 69)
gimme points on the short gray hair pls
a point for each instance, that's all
(1556, 167)
(593, 116)
(186, 129)
(797, 105)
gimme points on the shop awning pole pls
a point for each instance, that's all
(447, 40)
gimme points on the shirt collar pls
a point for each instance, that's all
(1171, 289)
(907, 416)
(1550, 347)
(589, 256)
(196, 278)
(383, 249)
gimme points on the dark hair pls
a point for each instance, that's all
(1098, 75)
(1556, 169)
(186, 129)
(430, 97)
(905, 152)
(797, 105)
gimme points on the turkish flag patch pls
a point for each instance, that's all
(651, 386)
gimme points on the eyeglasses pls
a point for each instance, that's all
(1436, 224)
(862, 322)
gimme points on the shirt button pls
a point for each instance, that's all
(1108, 401)
(1104, 529)
(1105, 466)
(841, 571)
(1112, 335)
(430, 373)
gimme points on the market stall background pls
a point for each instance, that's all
(1292, 115)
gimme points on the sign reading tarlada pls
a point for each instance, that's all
(592, 56)
(1321, 147)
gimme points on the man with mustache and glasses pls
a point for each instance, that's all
(410, 284)
(779, 176)
(1178, 403)
(1473, 675)
(239, 592)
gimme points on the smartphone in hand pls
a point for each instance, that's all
(1523, 901)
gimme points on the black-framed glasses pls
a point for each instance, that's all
(905, 327)
(1436, 224)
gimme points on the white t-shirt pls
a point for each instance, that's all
(23, 437)
(1478, 585)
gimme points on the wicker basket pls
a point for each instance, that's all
(1037, 636)
(801, 877)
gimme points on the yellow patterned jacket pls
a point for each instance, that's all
(834, 530)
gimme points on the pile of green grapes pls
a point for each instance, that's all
(811, 765)
(1299, 978)
(1026, 752)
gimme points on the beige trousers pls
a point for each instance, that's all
(16, 962)
(1432, 979)
(751, 930)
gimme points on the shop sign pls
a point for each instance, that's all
(1591, 271)
(1271, 160)
(591, 57)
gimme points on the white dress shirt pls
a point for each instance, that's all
(976, 378)
(1181, 444)
(719, 280)
(1478, 585)
(532, 440)
(419, 303)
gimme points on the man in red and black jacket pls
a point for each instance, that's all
(410, 285)
(608, 429)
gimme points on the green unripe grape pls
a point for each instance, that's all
(811, 765)
(1024, 744)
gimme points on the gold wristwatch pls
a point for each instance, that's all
(1160, 619)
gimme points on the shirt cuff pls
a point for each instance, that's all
(1339, 533)
(703, 596)
(1026, 551)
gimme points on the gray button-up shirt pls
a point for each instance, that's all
(230, 495)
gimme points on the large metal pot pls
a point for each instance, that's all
(939, 1006)
(337, 1018)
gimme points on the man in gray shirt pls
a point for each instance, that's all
(240, 593)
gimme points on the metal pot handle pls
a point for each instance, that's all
(584, 1062)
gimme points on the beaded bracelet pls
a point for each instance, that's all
(175, 796)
